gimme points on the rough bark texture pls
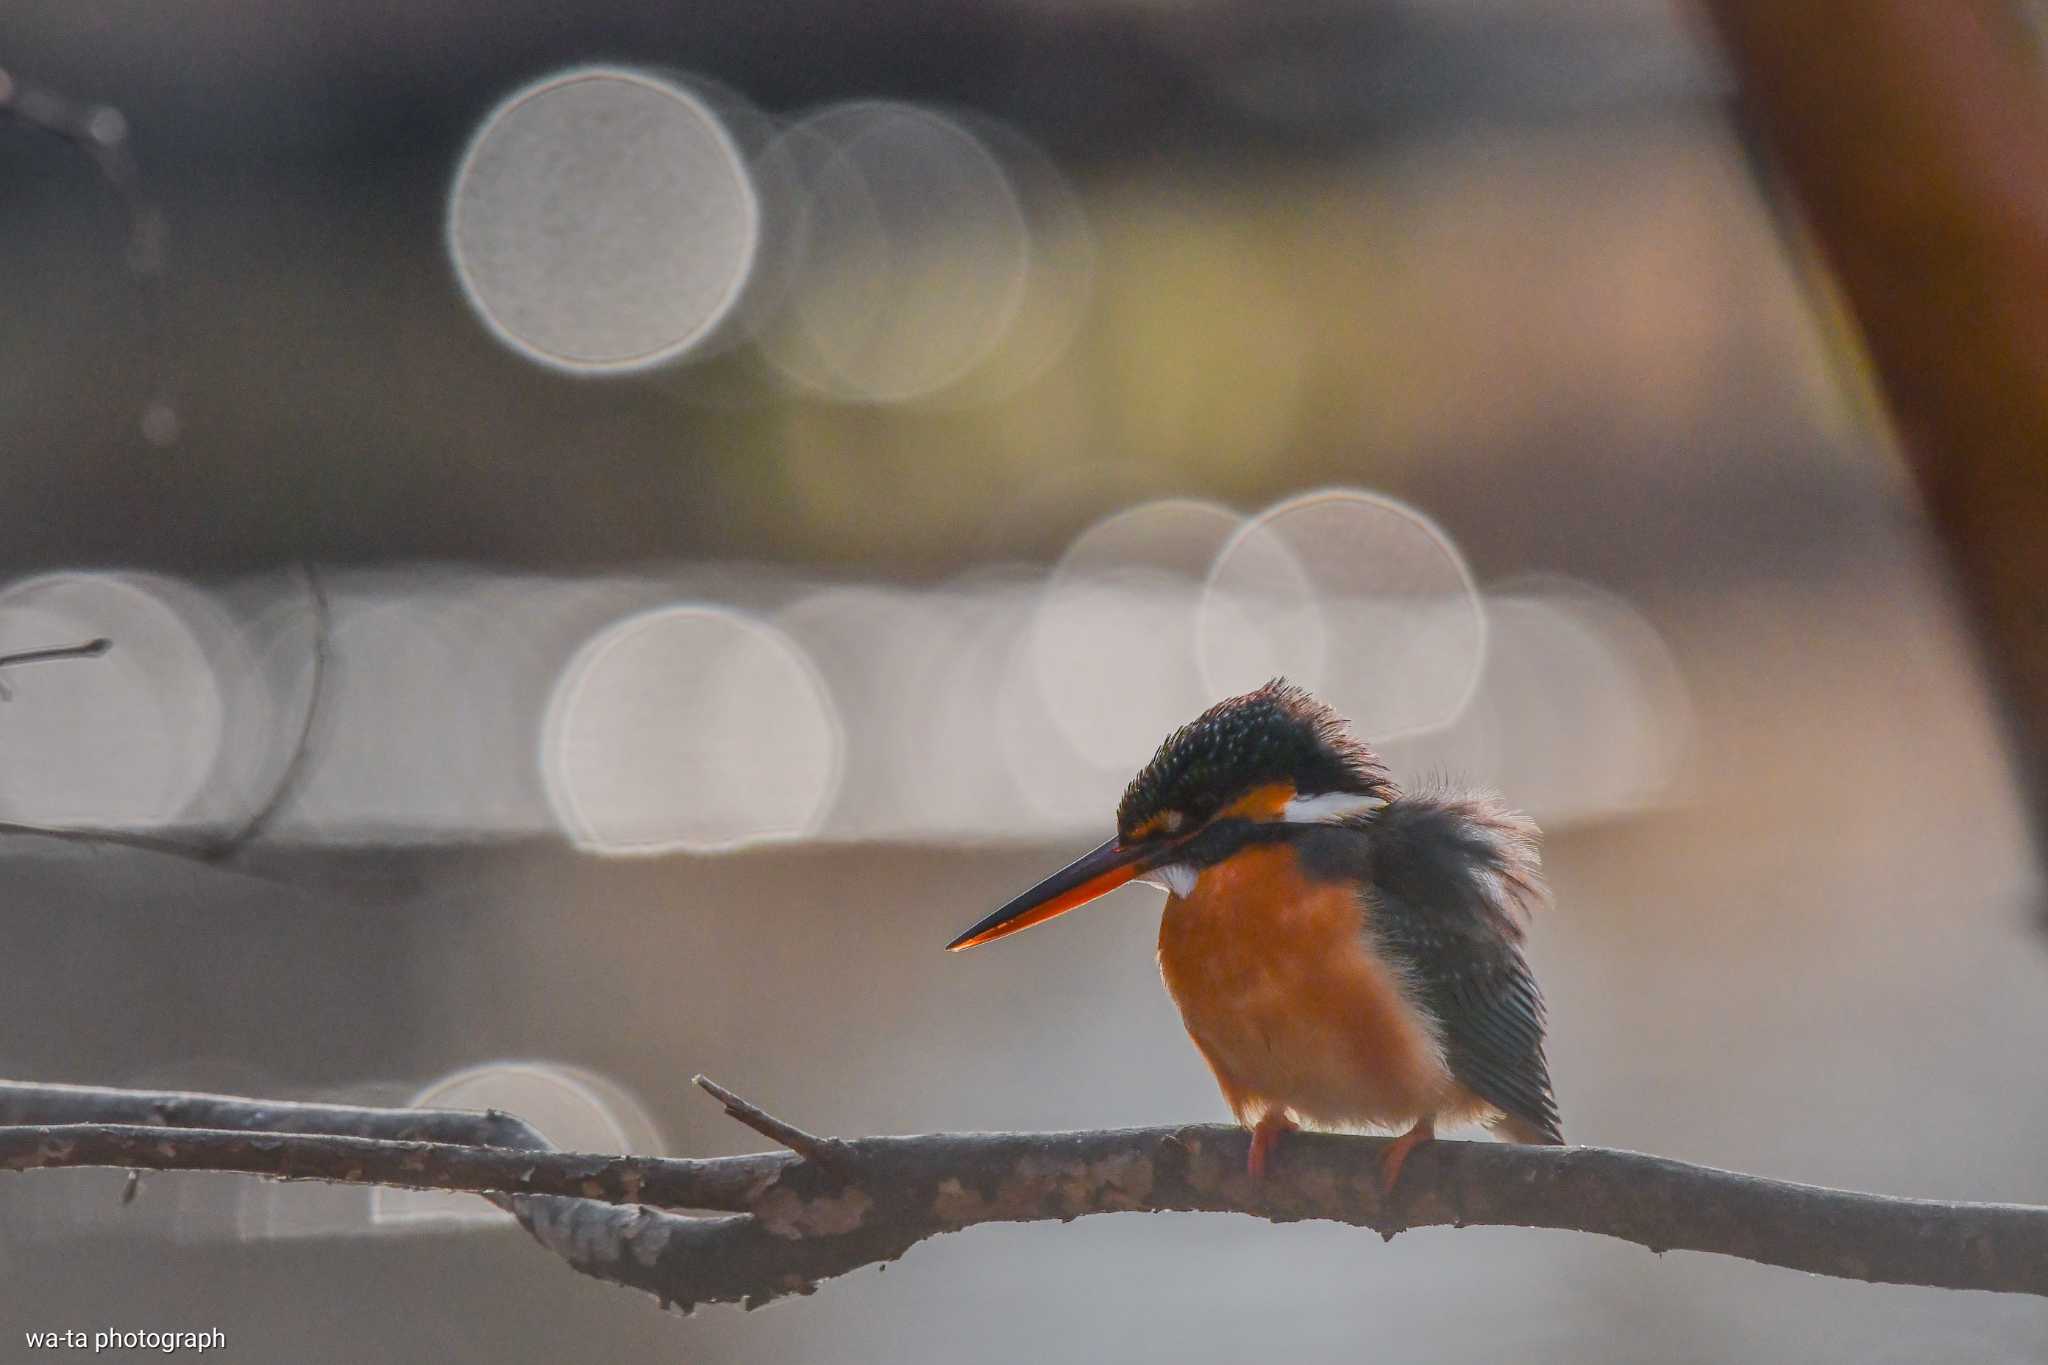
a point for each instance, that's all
(1915, 137)
(804, 1222)
(669, 1182)
(26, 1104)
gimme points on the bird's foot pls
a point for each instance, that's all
(1265, 1137)
(1397, 1152)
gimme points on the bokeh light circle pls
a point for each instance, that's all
(603, 220)
(1113, 647)
(124, 740)
(909, 257)
(1597, 709)
(962, 790)
(435, 680)
(575, 1109)
(876, 648)
(690, 728)
(1356, 596)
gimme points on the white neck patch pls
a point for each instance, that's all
(1328, 809)
(1176, 879)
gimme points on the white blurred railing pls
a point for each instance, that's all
(712, 707)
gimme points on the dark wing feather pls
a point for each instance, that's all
(1453, 878)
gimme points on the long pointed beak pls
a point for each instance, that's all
(1074, 885)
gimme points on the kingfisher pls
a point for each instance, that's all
(1344, 954)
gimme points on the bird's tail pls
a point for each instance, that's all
(1520, 1130)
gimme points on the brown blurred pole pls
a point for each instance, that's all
(1915, 136)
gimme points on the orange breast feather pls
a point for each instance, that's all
(1287, 1002)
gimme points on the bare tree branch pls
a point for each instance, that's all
(610, 1242)
(24, 1103)
(727, 1184)
(803, 1223)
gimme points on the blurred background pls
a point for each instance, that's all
(771, 474)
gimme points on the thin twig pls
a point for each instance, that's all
(289, 779)
(91, 649)
(293, 773)
(830, 1153)
(97, 838)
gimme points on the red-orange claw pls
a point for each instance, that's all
(1397, 1152)
(1265, 1139)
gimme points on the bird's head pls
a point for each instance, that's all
(1241, 772)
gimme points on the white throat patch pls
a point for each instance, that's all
(1328, 809)
(1176, 879)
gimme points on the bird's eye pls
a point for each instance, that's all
(1172, 821)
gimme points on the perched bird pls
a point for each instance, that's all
(1343, 954)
